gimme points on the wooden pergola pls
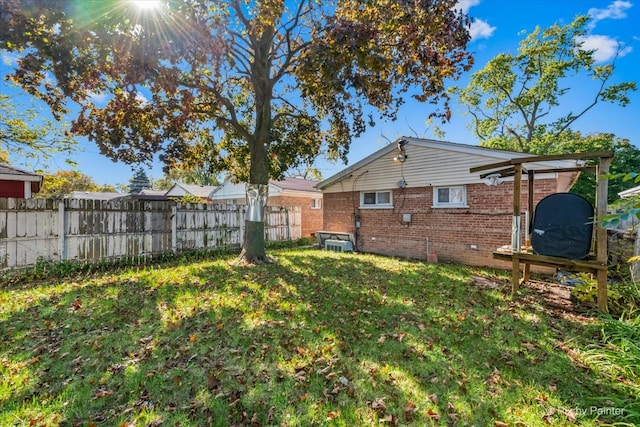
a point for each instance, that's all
(519, 254)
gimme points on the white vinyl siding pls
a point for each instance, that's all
(423, 167)
(450, 197)
(375, 199)
(427, 164)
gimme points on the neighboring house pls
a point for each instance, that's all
(418, 194)
(152, 192)
(95, 195)
(203, 191)
(291, 191)
(629, 192)
(18, 183)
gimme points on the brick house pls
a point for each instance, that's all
(291, 191)
(419, 193)
(18, 183)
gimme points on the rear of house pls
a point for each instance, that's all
(417, 195)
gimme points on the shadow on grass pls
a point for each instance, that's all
(315, 338)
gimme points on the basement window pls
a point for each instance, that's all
(375, 199)
(450, 197)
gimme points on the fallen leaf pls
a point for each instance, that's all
(409, 410)
(433, 414)
(529, 346)
(390, 419)
(333, 415)
(500, 424)
(379, 405)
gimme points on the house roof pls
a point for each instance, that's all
(203, 191)
(95, 195)
(12, 173)
(296, 183)
(443, 146)
(151, 192)
(629, 192)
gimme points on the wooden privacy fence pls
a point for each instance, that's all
(95, 230)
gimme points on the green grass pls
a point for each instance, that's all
(317, 338)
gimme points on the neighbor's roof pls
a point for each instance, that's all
(629, 192)
(152, 192)
(95, 195)
(203, 191)
(296, 183)
(12, 173)
(433, 144)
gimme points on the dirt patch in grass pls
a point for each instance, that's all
(556, 299)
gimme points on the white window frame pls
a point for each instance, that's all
(316, 203)
(457, 204)
(377, 205)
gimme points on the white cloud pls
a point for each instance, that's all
(616, 10)
(9, 59)
(481, 29)
(605, 47)
(98, 97)
(465, 5)
(140, 97)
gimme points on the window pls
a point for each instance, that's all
(375, 199)
(450, 197)
(316, 203)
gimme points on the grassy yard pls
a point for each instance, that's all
(317, 338)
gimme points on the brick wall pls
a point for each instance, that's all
(451, 232)
(312, 219)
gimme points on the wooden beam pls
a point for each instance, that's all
(530, 208)
(516, 229)
(510, 171)
(491, 166)
(589, 266)
(601, 233)
(537, 159)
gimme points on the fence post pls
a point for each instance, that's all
(62, 244)
(174, 229)
(240, 209)
(288, 222)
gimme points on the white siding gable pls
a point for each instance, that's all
(427, 163)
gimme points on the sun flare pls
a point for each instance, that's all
(146, 4)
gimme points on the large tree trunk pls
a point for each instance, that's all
(253, 249)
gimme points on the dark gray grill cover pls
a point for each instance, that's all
(562, 226)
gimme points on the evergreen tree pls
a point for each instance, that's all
(139, 181)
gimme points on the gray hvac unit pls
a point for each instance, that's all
(338, 245)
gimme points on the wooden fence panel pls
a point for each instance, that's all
(28, 231)
(94, 230)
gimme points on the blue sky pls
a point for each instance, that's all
(498, 27)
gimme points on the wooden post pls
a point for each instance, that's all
(601, 233)
(62, 244)
(527, 267)
(516, 229)
(174, 229)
